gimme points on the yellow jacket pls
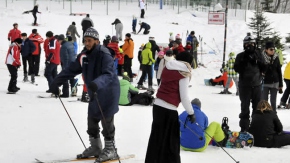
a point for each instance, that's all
(287, 72)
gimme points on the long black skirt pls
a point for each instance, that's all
(164, 141)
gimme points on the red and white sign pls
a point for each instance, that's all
(216, 18)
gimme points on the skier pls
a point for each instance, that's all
(27, 48)
(128, 50)
(34, 12)
(191, 133)
(194, 44)
(232, 75)
(142, 7)
(134, 23)
(250, 65)
(164, 141)
(286, 93)
(145, 26)
(52, 58)
(14, 33)
(13, 63)
(273, 75)
(86, 23)
(119, 28)
(72, 29)
(96, 65)
(35, 59)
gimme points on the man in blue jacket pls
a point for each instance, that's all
(193, 137)
(97, 67)
(27, 48)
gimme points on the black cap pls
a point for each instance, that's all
(88, 15)
(49, 34)
(73, 23)
(269, 45)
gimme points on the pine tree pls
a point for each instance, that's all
(288, 38)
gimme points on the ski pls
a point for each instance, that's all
(11, 93)
(51, 96)
(125, 157)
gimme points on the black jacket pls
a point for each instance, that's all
(34, 10)
(250, 67)
(117, 21)
(27, 48)
(273, 72)
(154, 48)
(264, 127)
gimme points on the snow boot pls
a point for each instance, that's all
(225, 91)
(282, 105)
(150, 88)
(94, 150)
(108, 153)
(85, 97)
(32, 78)
(25, 79)
(141, 87)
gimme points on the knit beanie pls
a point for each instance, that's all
(126, 77)
(114, 39)
(269, 45)
(196, 102)
(91, 32)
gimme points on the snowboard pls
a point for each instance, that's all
(239, 140)
(207, 82)
(11, 93)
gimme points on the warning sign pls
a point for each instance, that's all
(216, 18)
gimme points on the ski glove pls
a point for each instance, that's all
(93, 87)
(191, 118)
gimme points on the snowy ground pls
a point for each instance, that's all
(39, 128)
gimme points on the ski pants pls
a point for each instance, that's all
(247, 95)
(50, 72)
(26, 60)
(273, 90)
(35, 19)
(107, 125)
(146, 69)
(13, 76)
(286, 92)
(128, 65)
(35, 59)
(142, 13)
(215, 131)
(119, 30)
(235, 79)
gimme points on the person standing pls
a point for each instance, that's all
(167, 57)
(35, 59)
(114, 46)
(128, 50)
(52, 58)
(164, 141)
(14, 33)
(13, 63)
(34, 12)
(86, 23)
(142, 7)
(232, 74)
(96, 65)
(194, 44)
(134, 23)
(250, 65)
(27, 48)
(145, 26)
(286, 93)
(72, 29)
(119, 28)
(273, 75)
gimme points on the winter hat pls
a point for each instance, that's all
(128, 35)
(269, 45)
(177, 37)
(49, 34)
(18, 41)
(184, 56)
(73, 23)
(60, 37)
(114, 39)
(108, 37)
(23, 34)
(88, 15)
(91, 32)
(192, 33)
(196, 102)
(232, 54)
(126, 77)
(34, 31)
(161, 53)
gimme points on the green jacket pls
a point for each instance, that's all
(280, 55)
(147, 58)
(126, 90)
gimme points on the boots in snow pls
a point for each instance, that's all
(85, 97)
(225, 91)
(108, 153)
(25, 79)
(94, 150)
(32, 78)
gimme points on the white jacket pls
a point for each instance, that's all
(142, 4)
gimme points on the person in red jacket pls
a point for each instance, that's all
(177, 47)
(114, 45)
(221, 79)
(13, 63)
(35, 59)
(14, 33)
(52, 58)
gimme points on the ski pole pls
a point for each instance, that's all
(72, 122)
(199, 137)
(105, 126)
(216, 45)
(217, 143)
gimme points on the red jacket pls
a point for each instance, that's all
(115, 47)
(45, 46)
(13, 55)
(224, 79)
(180, 48)
(14, 34)
(37, 40)
(53, 51)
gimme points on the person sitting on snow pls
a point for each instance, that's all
(196, 136)
(221, 80)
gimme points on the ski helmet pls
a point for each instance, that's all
(249, 39)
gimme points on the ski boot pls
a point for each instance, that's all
(93, 151)
(85, 97)
(108, 153)
(25, 79)
(32, 78)
(141, 87)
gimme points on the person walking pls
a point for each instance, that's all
(119, 28)
(96, 65)
(286, 93)
(142, 7)
(72, 31)
(128, 50)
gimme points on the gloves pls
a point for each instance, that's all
(8, 39)
(93, 87)
(191, 118)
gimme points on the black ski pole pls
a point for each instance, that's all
(199, 137)
(106, 128)
(217, 143)
(72, 121)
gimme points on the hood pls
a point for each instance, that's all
(148, 45)
(167, 58)
(124, 82)
(177, 65)
(195, 107)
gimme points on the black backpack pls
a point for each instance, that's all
(112, 52)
